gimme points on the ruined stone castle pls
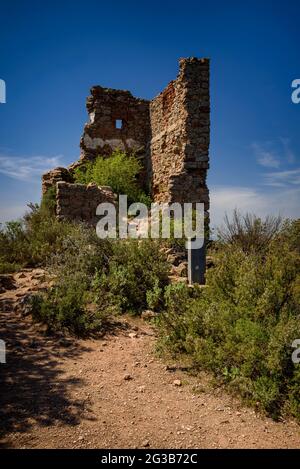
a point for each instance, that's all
(169, 134)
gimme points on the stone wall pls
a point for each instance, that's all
(170, 134)
(117, 120)
(79, 202)
(179, 145)
(55, 175)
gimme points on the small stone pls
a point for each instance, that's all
(180, 270)
(148, 314)
(146, 443)
(132, 335)
(177, 382)
(127, 377)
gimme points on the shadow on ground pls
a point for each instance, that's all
(33, 390)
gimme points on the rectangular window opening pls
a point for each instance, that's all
(119, 123)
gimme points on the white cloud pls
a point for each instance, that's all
(288, 152)
(224, 199)
(283, 178)
(27, 168)
(265, 156)
(271, 154)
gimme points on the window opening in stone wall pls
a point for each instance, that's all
(119, 123)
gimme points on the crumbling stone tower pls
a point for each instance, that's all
(170, 134)
(179, 145)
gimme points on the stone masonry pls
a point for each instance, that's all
(169, 134)
(78, 202)
(117, 120)
(56, 175)
(179, 144)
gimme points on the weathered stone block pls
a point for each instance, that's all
(79, 202)
(52, 177)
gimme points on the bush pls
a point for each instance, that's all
(136, 276)
(241, 326)
(14, 245)
(97, 278)
(72, 253)
(46, 235)
(69, 304)
(119, 171)
(94, 278)
(9, 267)
(64, 307)
(48, 203)
(249, 232)
(32, 240)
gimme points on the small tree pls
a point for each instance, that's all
(248, 231)
(119, 171)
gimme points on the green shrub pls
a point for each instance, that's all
(64, 306)
(248, 231)
(33, 240)
(70, 304)
(97, 278)
(48, 203)
(94, 278)
(136, 275)
(14, 245)
(9, 267)
(155, 295)
(46, 235)
(119, 171)
(241, 326)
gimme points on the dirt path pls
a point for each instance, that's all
(113, 393)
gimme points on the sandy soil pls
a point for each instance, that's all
(113, 392)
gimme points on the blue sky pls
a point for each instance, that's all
(52, 52)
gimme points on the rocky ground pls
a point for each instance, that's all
(113, 392)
